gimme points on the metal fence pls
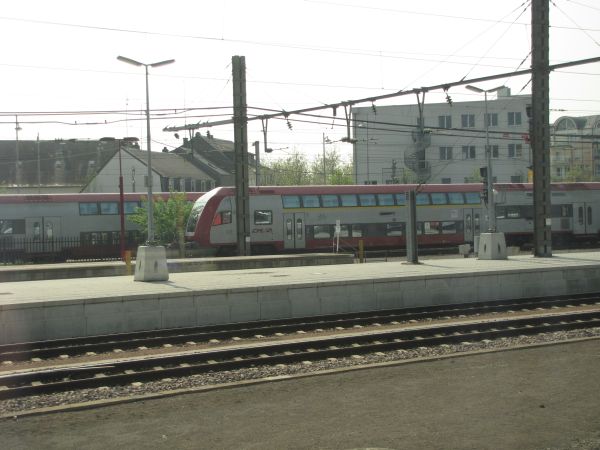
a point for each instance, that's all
(27, 250)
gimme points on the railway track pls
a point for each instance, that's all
(155, 368)
(181, 336)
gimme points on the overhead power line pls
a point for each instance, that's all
(350, 103)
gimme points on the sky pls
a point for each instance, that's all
(61, 78)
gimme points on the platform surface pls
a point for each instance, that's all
(183, 283)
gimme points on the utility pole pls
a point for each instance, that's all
(539, 129)
(17, 162)
(240, 128)
(39, 172)
(257, 154)
(325, 139)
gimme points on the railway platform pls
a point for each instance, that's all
(54, 309)
(33, 272)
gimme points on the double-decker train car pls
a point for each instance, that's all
(62, 226)
(309, 218)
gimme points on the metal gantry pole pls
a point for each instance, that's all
(490, 179)
(540, 133)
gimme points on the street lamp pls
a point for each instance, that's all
(488, 155)
(141, 265)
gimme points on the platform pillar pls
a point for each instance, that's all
(491, 246)
(151, 264)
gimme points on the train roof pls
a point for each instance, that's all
(582, 186)
(395, 188)
(85, 197)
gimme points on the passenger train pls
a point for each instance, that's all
(62, 226)
(315, 218)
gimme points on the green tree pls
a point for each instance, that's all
(290, 171)
(170, 217)
(336, 170)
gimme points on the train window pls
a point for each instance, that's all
(500, 212)
(423, 199)
(349, 200)
(291, 201)
(330, 201)
(299, 230)
(472, 198)
(15, 226)
(450, 227)
(456, 198)
(589, 215)
(513, 212)
(263, 217)
(394, 229)
(49, 230)
(357, 230)
(109, 208)
(468, 223)
(385, 199)
(322, 231)
(476, 224)
(88, 209)
(130, 207)
(367, 199)
(37, 230)
(311, 201)
(580, 215)
(400, 199)
(289, 232)
(438, 198)
(344, 231)
(432, 227)
(527, 212)
(222, 218)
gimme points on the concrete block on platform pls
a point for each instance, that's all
(213, 314)
(24, 330)
(243, 305)
(177, 318)
(141, 305)
(304, 301)
(104, 324)
(143, 320)
(275, 309)
(68, 327)
(25, 313)
(71, 311)
(170, 303)
(104, 307)
(388, 294)
(151, 264)
(210, 299)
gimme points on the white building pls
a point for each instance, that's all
(170, 172)
(392, 147)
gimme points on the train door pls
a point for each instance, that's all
(472, 218)
(294, 231)
(41, 233)
(582, 218)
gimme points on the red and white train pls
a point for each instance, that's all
(63, 226)
(304, 218)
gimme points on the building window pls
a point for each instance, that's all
(445, 121)
(514, 118)
(491, 120)
(445, 153)
(468, 152)
(446, 180)
(515, 150)
(467, 120)
(516, 179)
(495, 151)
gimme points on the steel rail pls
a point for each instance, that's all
(156, 368)
(178, 336)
